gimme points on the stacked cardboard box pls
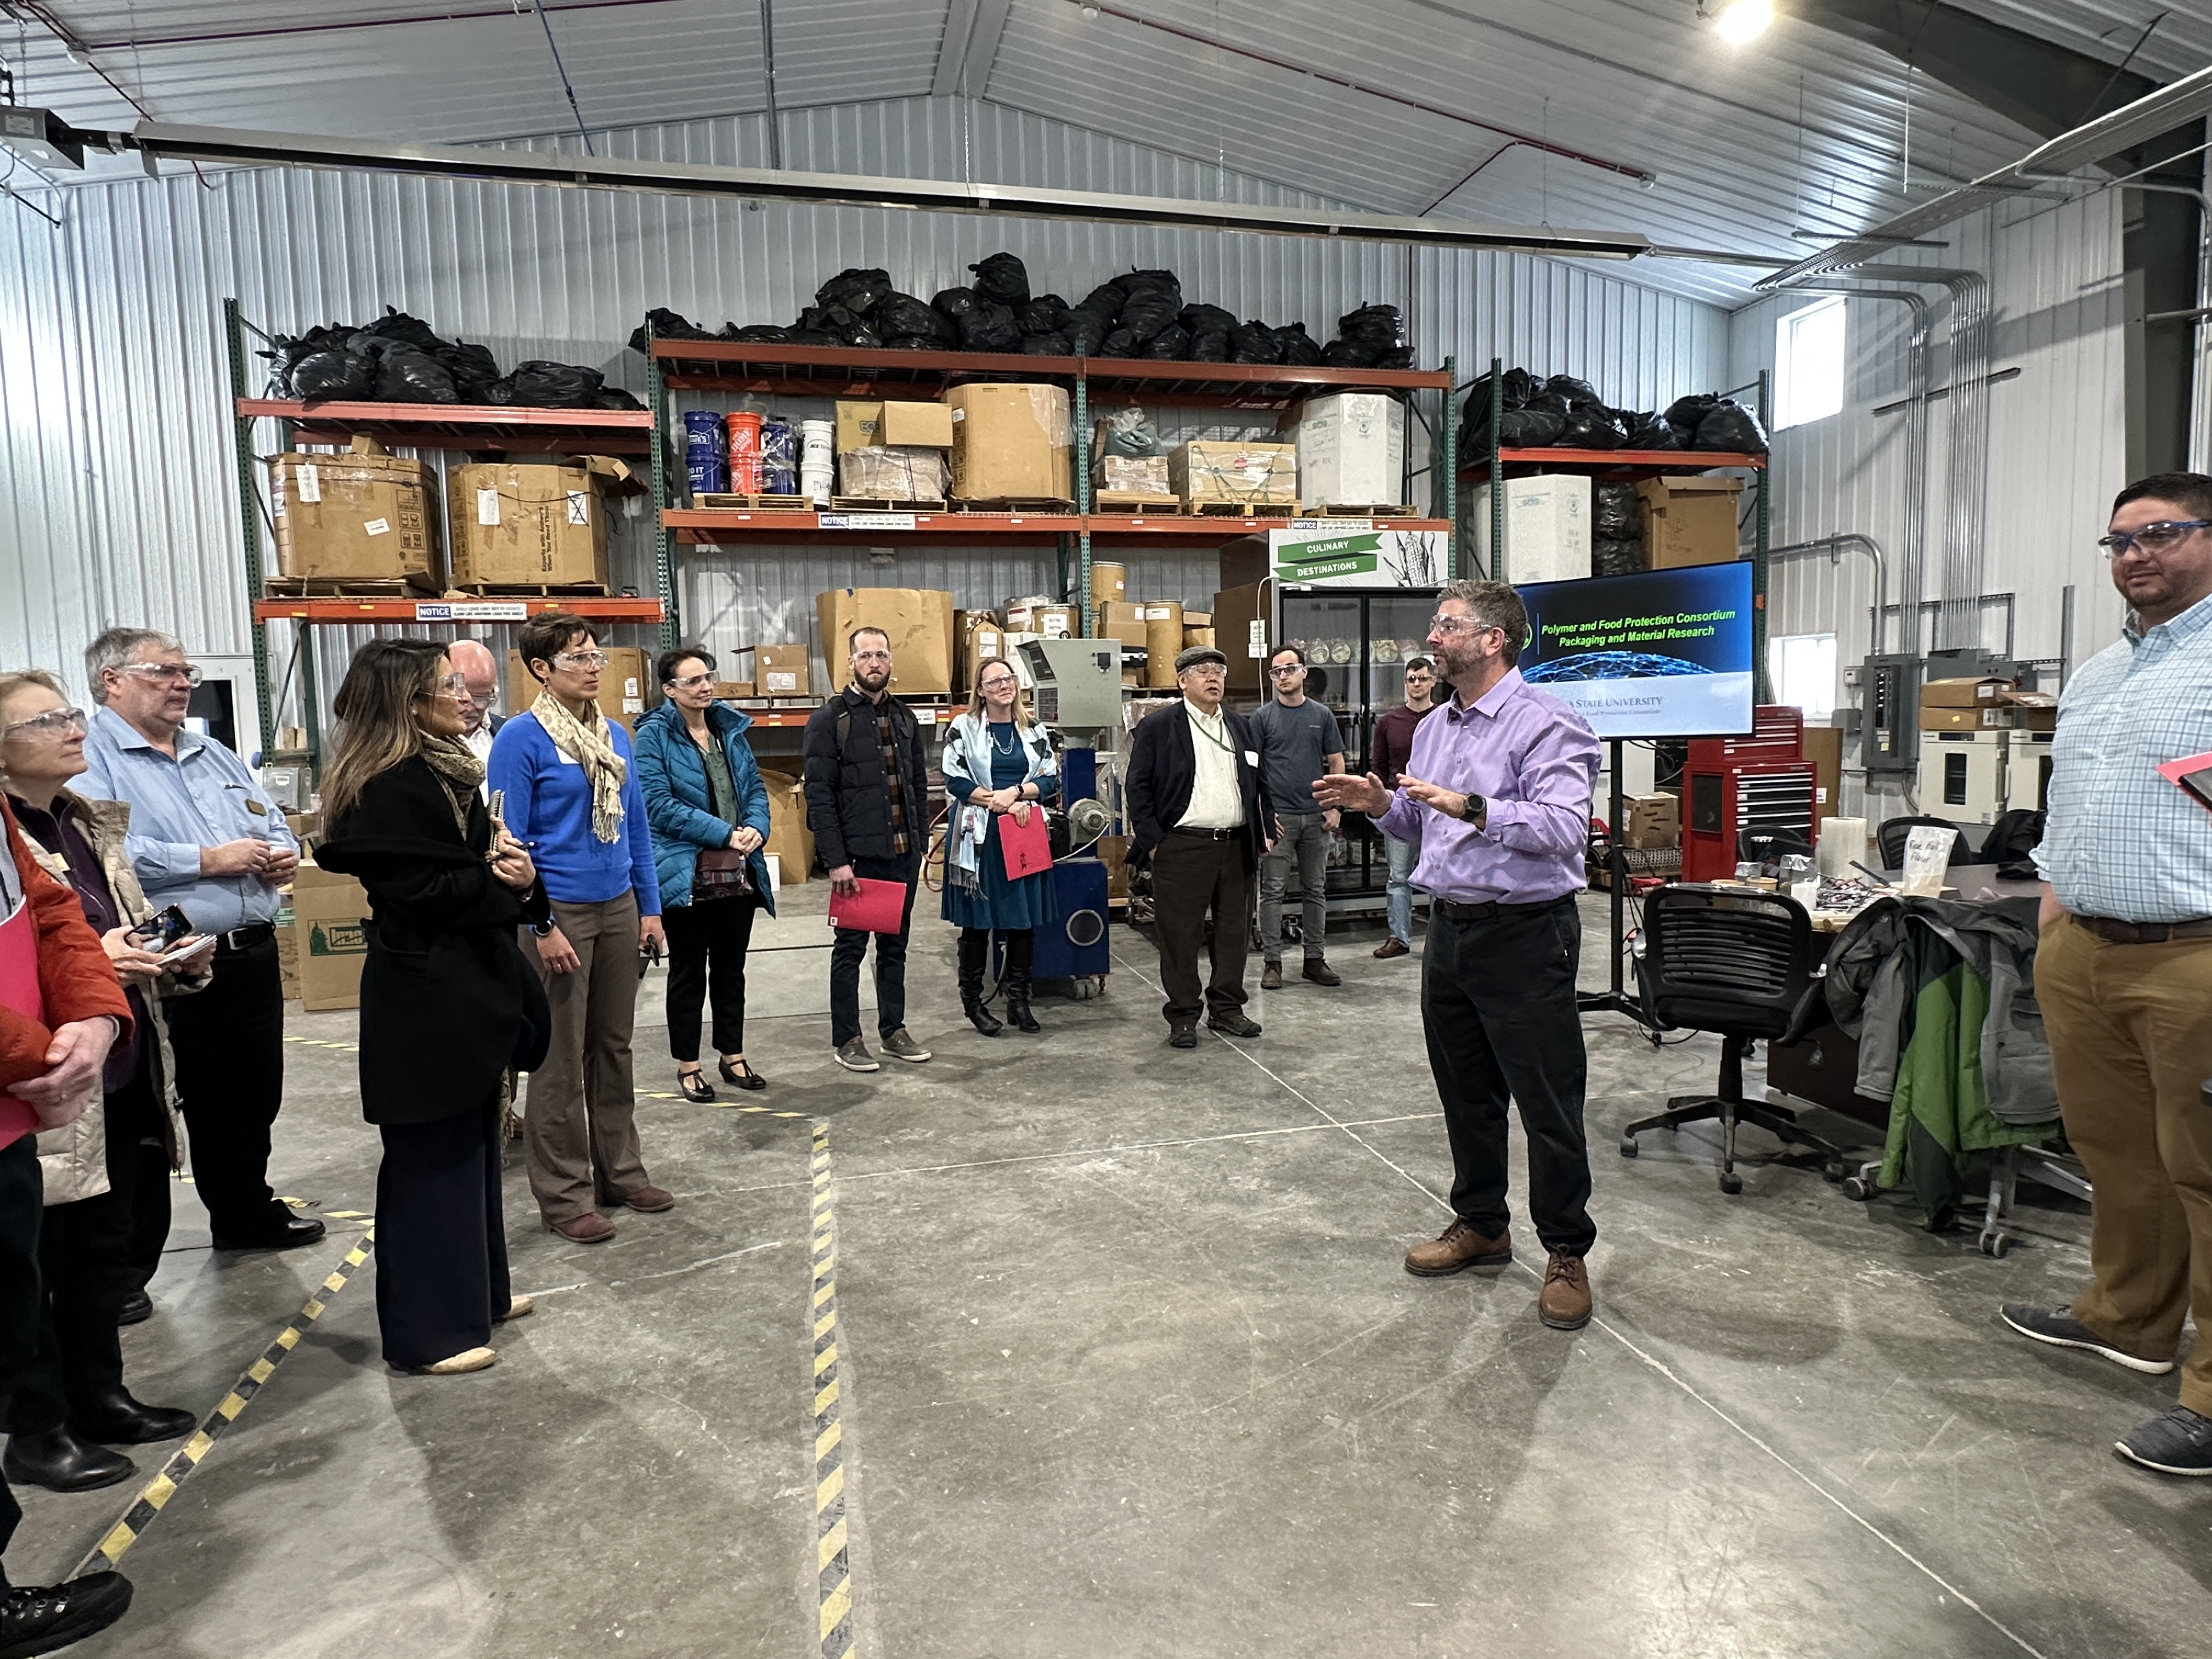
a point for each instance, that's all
(1547, 528)
(1011, 443)
(513, 524)
(1352, 449)
(1248, 474)
(1690, 520)
(1966, 705)
(360, 515)
(917, 620)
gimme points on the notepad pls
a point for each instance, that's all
(1027, 849)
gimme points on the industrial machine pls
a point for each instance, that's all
(1076, 684)
(1736, 787)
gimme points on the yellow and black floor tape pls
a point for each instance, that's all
(833, 1559)
(163, 1486)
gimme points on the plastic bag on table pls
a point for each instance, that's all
(1927, 856)
(1002, 278)
(986, 326)
(1730, 427)
(856, 289)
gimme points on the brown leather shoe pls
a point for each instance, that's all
(1320, 972)
(1391, 947)
(1459, 1247)
(589, 1228)
(1271, 977)
(1564, 1302)
(650, 1200)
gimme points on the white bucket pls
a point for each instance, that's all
(817, 446)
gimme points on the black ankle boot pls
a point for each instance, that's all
(58, 1461)
(974, 944)
(1019, 950)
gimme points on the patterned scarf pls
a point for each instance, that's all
(591, 748)
(459, 771)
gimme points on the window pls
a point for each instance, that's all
(1809, 364)
(1802, 667)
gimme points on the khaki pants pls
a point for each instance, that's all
(2130, 1029)
(581, 1124)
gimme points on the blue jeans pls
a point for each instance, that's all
(1404, 855)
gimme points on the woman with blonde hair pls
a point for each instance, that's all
(448, 1003)
(997, 763)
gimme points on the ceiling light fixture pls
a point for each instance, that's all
(1739, 22)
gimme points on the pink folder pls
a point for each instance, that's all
(878, 907)
(1027, 850)
(19, 990)
(2193, 773)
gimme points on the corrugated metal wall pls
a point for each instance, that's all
(118, 462)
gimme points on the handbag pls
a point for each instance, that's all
(720, 873)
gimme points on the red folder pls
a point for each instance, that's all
(878, 907)
(2193, 775)
(1028, 849)
(19, 990)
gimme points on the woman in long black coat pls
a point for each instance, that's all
(448, 1003)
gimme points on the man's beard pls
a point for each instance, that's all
(873, 681)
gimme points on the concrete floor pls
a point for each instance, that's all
(1130, 1367)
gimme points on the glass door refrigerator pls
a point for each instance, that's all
(1357, 641)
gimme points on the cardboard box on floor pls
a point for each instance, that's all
(917, 620)
(360, 514)
(1651, 824)
(1011, 443)
(328, 910)
(520, 524)
(1690, 520)
(626, 687)
(288, 952)
(789, 840)
(2033, 711)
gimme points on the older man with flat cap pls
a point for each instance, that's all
(1199, 814)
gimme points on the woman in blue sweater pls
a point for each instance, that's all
(571, 797)
(996, 763)
(704, 795)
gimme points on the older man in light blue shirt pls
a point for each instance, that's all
(204, 838)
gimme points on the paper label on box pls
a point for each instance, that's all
(1155, 612)
(958, 416)
(778, 681)
(1258, 647)
(487, 506)
(866, 520)
(633, 705)
(311, 482)
(376, 527)
(579, 508)
(1053, 626)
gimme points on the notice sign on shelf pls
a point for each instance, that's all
(1364, 557)
(866, 520)
(474, 610)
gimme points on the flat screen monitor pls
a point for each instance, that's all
(1661, 653)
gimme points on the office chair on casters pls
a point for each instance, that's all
(1735, 963)
(1892, 833)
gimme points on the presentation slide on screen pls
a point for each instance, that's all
(1663, 653)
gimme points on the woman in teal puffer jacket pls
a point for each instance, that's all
(703, 792)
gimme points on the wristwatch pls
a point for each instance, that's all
(1476, 812)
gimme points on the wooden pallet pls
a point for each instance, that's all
(879, 504)
(1245, 510)
(348, 587)
(1333, 510)
(1135, 501)
(532, 589)
(716, 503)
(1007, 504)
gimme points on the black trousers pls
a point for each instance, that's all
(890, 958)
(440, 1237)
(707, 946)
(23, 1198)
(228, 1041)
(85, 1270)
(1498, 1003)
(1190, 877)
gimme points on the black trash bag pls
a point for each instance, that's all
(1729, 426)
(1650, 431)
(1613, 557)
(397, 325)
(1005, 278)
(1577, 392)
(952, 302)
(1616, 512)
(1396, 357)
(855, 289)
(409, 374)
(764, 334)
(1376, 327)
(897, 315)
(1299, 348)
(1170, 345)
(1047, 345)
(842, 325)
(1592, 426)
(1120, 343)
(1208, 327)
(473, 370)
(337, 375)
(986, 326)
(1044, 313)
(1349, 353)
(615, 397)
(1254, 342)
(1106, 300)
(1685, 413)
(912, 342)
(668, 326)
(542, 384)
(1520, 385)
(1149, 310)
(810, 336)
(1129, 282)
(1086, 330)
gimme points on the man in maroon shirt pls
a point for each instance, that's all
(1393, 746)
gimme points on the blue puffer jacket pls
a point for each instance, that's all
(674, 775)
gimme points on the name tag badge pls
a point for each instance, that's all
(1251, 757)
(257, 808)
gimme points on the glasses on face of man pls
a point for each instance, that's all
(582, 659)
(1442, 624)
(692, 682)
(872, 656)
(54, 723)
(165, 673)
(1286, 671)
(2152, 539)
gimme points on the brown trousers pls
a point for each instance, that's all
(581, 1123)
(2130, 1029)
(1189, 877)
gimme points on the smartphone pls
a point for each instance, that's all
(2198, 783)
(162, 931)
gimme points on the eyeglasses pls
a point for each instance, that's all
(1286, 671)
(166, 672)
(455, 686)
(998, 684)
(872, 656)
(582, 659)
(1440, 624)
(2151, 539)
(54, 723)
(692, 682)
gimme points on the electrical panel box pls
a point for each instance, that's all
(1076, 683)
(1889, 705)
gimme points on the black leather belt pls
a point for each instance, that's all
(1230, 834)
(1492, 910)
(2145, 932)
(244, 938)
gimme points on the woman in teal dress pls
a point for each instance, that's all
(997, 762)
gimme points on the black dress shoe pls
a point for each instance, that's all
(279, 1235)
(136, 1309)
(39, 1618)
(747, 1079)
(57, 1460)
(116, 1420)
(1183, 1036)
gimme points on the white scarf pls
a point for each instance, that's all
(968, 753)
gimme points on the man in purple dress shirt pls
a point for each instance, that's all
(1497, 794)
